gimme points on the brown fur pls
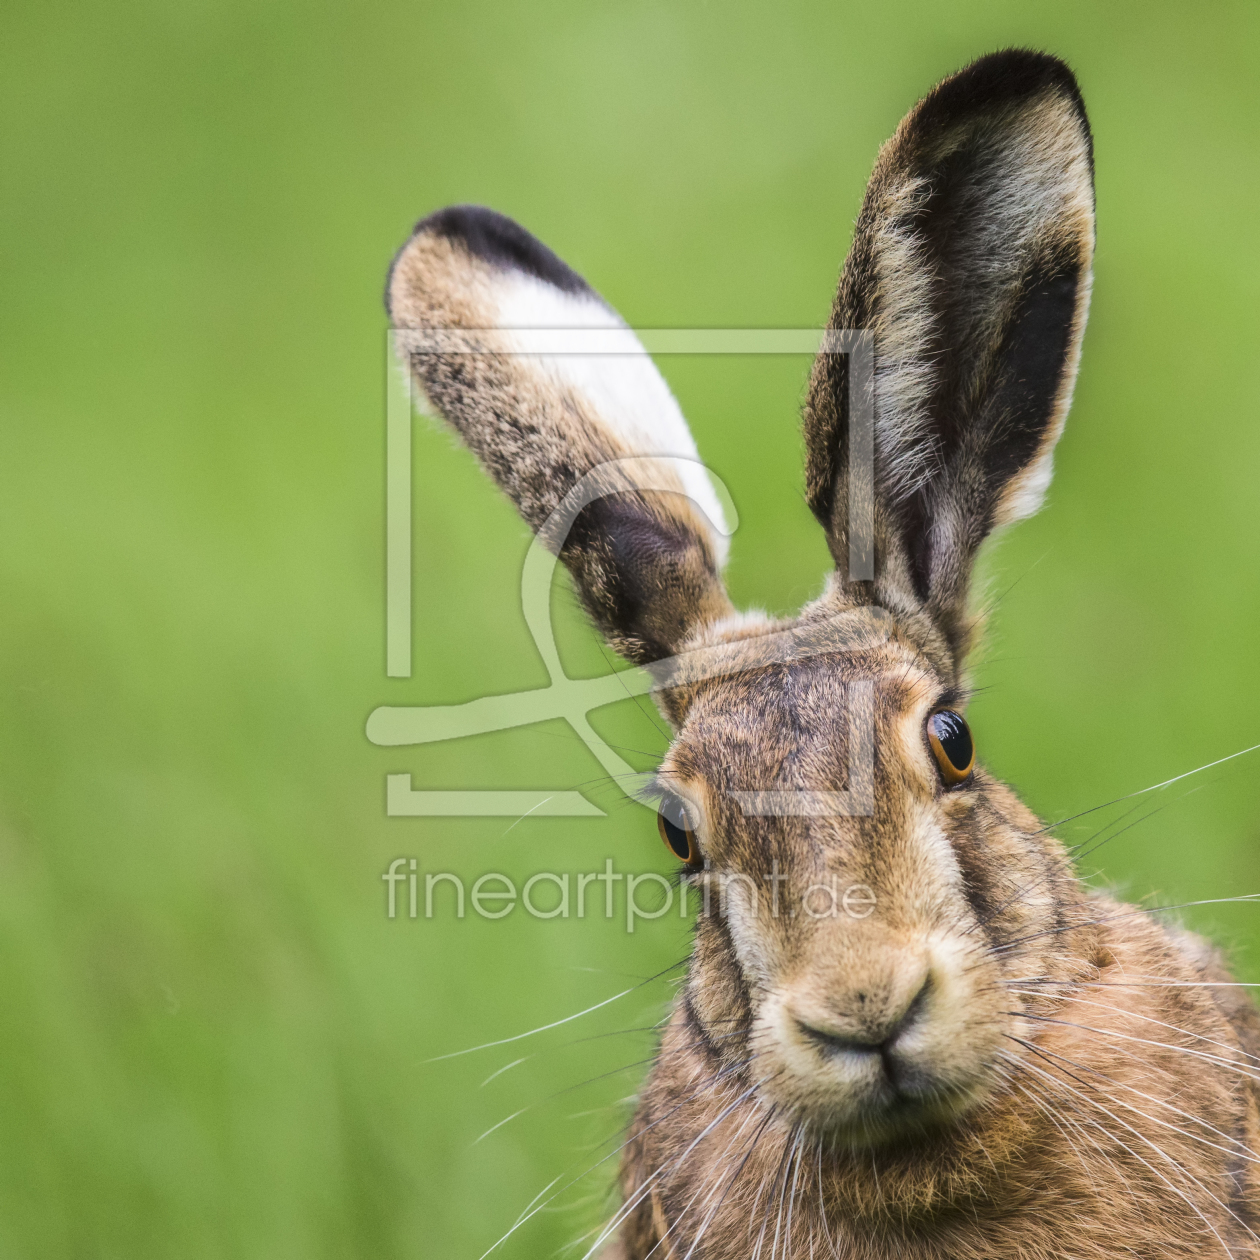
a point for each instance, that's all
(994, 1061)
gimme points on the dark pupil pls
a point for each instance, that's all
(677, 837)
(955, 738)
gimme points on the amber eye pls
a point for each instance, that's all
(676, 830)
(952, 745)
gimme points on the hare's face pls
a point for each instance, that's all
(849, 958)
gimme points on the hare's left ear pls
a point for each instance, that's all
(970, 264)
(557, 399)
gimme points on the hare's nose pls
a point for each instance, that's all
(868, 1031)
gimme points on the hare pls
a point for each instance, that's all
(975, 1056)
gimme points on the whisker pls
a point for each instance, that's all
(711, 1185)
(756, 1138)
(1046, 1110)
(787, 1237)
(506, 1067)
(1240, 1068)
(1155, 787)
(1054, 1110)
(822, 1204)
(568, 1019)
(500, 1125)
(701, 1088)
(1154, 1146)
(643, 1189)
(1127, 914)
(1136, 984)
(1244, 1151)
(1150, 1019)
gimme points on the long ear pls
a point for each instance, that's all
(970, 263)
(543, 409)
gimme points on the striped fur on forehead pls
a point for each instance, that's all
(486, 316)
(970, 264)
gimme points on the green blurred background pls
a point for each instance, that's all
(212, 1040)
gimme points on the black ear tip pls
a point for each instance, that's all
(1001, 79)
(469, 223)
(1011, 74)
(499, 241)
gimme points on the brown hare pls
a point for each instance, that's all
(975, 1056)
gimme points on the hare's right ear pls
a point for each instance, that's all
(970, 264)
(577, 427)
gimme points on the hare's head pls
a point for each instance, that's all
(867, 888)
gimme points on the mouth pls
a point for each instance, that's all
(856, 1053)
(860, 1094)
(887, 1114)
(886, 1120)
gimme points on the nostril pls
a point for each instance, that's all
(870, 1036)
(835, 1043)
(913, 1013)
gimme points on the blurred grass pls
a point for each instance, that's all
(212, 1042)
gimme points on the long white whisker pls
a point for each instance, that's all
(1135, 984)
(648, 1182)
(780, 1170)
(1240, 1068)
(526, 1216)
(1210, 765)
(1046, 1110)
(1243, 1151)
(1007, 946)
(756, 1137)
(822, 1206)
(787, 1238)
(1155, 1147)
(711, 1185)
(1155, 787)
(568, 1019)
(494, 1127)
(506, 1067)
(1150, 1019)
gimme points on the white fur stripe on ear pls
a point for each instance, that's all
(621, 383)
(547, 386)
(516, 372)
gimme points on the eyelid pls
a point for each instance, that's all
(658, 786)
(662, 787)
(650, 793)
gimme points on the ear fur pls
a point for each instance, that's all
(485, 313)
(970, 263)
